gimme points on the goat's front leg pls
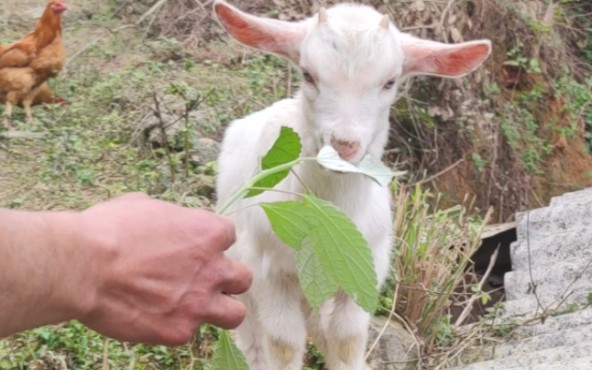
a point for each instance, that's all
(273, 335)
(341, 329)
(342, 333)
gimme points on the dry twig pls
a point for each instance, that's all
(153, 9)
(469, 305)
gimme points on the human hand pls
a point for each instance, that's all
(162, 270)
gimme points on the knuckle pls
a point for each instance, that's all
(247, 278)
(216, 228)
(223, 233)
(231, 314)
(228, 275)
(231, 276)
(243, 276)
(229, 230)
(236, 317)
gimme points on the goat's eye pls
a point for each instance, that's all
(308, 77)
(389, 84)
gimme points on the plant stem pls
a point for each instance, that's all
(258, 177)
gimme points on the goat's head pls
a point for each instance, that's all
(353, 60)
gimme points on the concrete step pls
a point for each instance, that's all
(555, 242)
(529, 306)
(580, 196)
(552, 248)
(550, 280)
(538, 342)
(530, 360)
(536, 335)
(582, 363)
(554, 324)
(546, 221)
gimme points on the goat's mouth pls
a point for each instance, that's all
(331, 159)
(348, 150)
(354, 158)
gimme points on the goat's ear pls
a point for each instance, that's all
(424, 57)
(266, 34)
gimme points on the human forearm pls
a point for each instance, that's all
(44, 275)
(132, 268)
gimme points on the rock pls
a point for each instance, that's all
(205, 185)
(171, 108)
(151, 127)
(204, 151)
(396, 349)
(172, 118)
(172, 103)
(196, 202)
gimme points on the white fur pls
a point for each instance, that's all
(351, 59)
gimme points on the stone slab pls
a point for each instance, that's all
(552, 279)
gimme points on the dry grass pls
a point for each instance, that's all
(432, 255)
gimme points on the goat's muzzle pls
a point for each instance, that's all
(346, 149)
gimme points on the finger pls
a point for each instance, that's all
(237, 279)
(229, 232)
(226, 312)
(221, 229)
(179, 335)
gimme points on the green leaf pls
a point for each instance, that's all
(339, 249)
(227, 356)
(286, 149)
(317, 285)
(342, 250)
(289, 220)
(368, 166)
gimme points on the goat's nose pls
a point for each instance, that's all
(345, 148)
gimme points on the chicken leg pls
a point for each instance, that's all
(7, 116)
(27, 107)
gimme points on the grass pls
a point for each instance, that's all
(72, 346)
(92, 150)
(433, 250)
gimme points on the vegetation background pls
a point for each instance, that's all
(151, 84)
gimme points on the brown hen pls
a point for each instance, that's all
(25, 65)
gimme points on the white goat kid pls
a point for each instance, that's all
(353, 60)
